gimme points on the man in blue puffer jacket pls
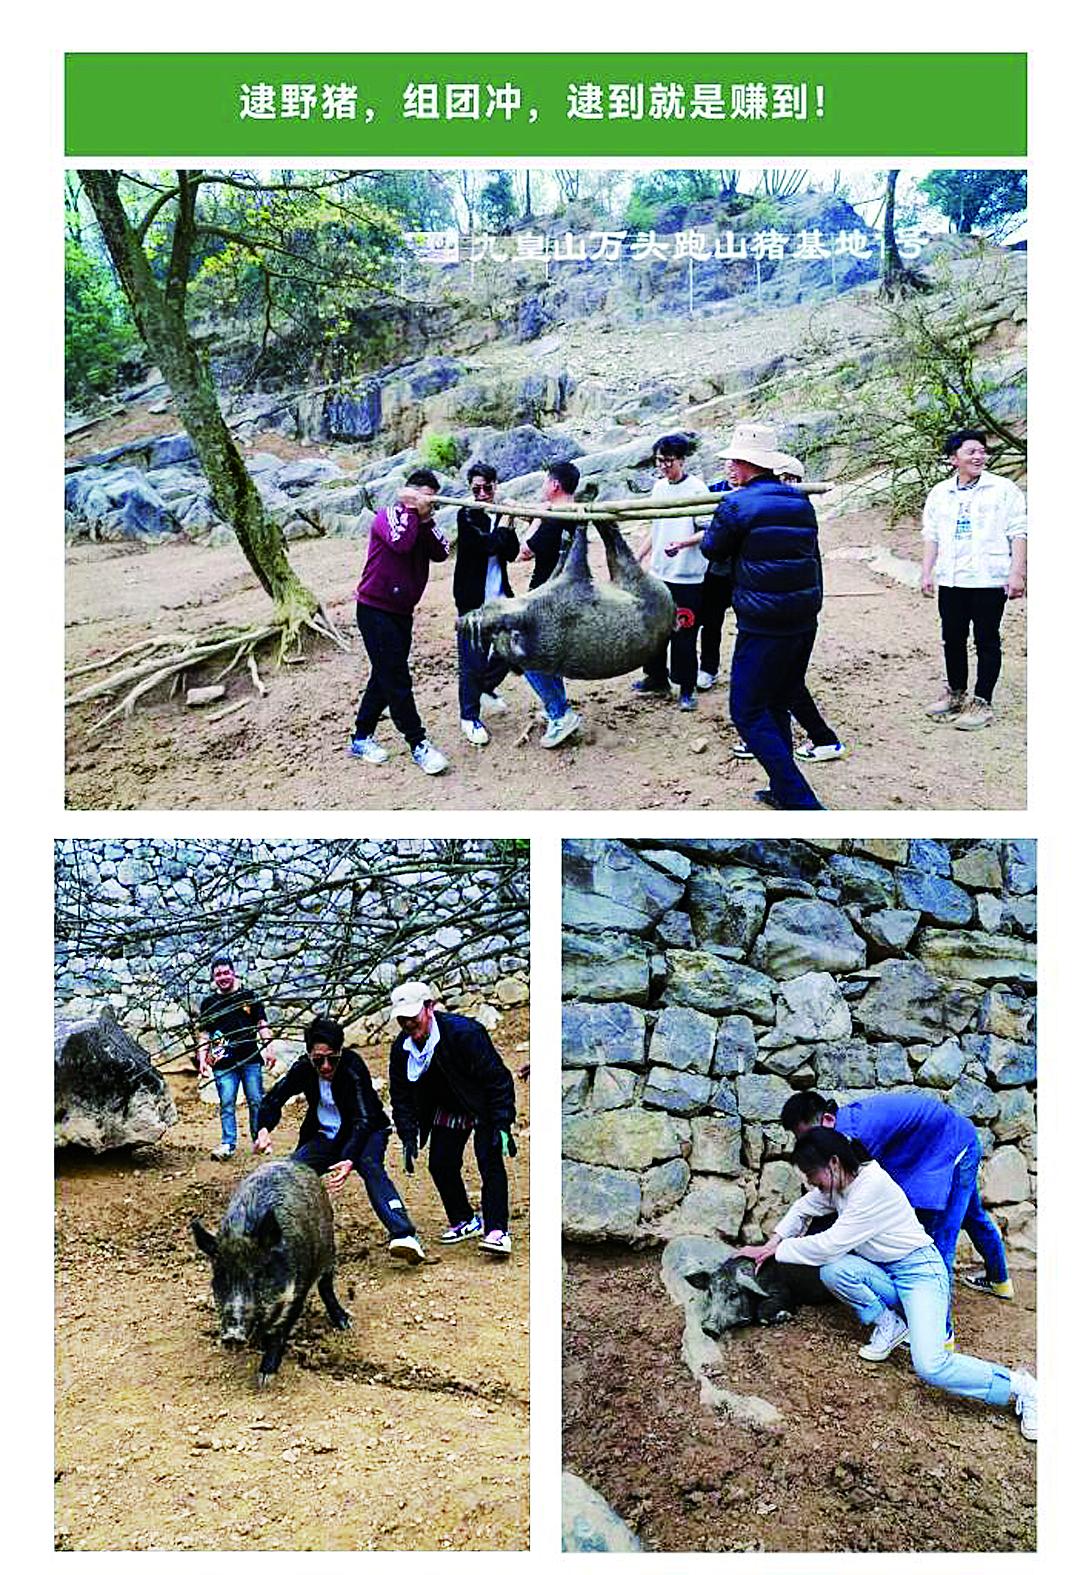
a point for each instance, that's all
(768, 530)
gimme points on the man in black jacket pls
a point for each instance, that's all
(768, 530)
(345, 1128)
(446, 1080)
(485, 547)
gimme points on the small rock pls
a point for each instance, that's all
(206, 695)
(698, 745)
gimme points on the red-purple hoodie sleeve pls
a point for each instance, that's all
(397, 528)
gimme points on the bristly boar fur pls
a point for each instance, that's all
(275, 1241)
(574, 627)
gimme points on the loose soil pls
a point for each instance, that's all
(408, 1431)
(877, 663)
(867, 1459)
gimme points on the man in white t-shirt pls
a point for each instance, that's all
(975, 549)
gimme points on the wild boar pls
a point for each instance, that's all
(574, 627)
(738, 1295)
(275, 1241)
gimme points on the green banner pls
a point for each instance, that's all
(545, 107)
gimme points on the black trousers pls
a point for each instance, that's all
(321, 1153)
(803, 708)
(717, 592)
(446, 1148)
(388, 640)
(478, 672)
(688, 599)
(766, 675)
(960, 608)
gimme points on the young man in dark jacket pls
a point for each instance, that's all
(345, 1128)
(485, 546)
(403, 544)
(768, 530)
(446, 1080)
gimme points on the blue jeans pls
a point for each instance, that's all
(227, 1088)
(478, 672)
(919, 1286)
(321, 1153)
(549, 689)
(964, 1211)
(766, 675)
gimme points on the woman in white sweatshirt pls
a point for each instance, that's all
(681, 568)
(878, 1259)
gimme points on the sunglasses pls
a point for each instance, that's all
(321, 1057)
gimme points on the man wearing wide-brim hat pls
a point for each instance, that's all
(767, 529)
(446, 1080)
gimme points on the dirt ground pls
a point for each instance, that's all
(877, 663)
(408, 1431)
(868, 1459)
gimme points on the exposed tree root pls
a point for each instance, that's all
(168, 657)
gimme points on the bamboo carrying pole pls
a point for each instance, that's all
(613, 509)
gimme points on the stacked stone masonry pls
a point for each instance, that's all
(154, 986)
(705, 981)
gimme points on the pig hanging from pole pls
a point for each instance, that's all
(575, 627)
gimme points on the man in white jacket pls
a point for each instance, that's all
(975, 547)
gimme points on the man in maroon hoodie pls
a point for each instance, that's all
(404, 542)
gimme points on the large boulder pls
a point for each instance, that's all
(808, 936)
(974, 955)
(106, 1093)
(727, 906)
(612, 1034)
(934, 896)
(630, 1139)
(608, 887)
(713, 984)
(903, 1002)
(521, 450)
(599, 1203)
(812, 1008)
(683, 1039)
(589, 1524)
(608, 967)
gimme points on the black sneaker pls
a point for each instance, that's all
(643, 686)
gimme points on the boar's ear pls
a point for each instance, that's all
(268, 1233)
(204, 1238)
(700, 1278)
(749, 1282)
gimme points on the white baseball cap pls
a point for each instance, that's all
(407, 998)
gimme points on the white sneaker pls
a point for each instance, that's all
(368, 749)
(705, 680)
(224, 1151)
(408, 1248)
(889, 1331)
(1023, 1389)
(497, 1241)
(561, 728)
(492, 705)
(430, 759)
(475, 732)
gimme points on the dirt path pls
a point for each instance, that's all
(411, 1430)
(867, 1460)
(877, 663)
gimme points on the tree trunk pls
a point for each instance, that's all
(897, 279)
(161, 324)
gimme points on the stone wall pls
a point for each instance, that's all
(704, 981)
(138, 922)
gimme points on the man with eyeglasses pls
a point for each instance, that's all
(345, 1128)
(446, 1080)
(485, 546)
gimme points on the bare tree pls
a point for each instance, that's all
(897, 279)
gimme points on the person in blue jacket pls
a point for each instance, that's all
(933, 1153)
(767, 529)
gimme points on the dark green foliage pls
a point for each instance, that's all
(98, 330)
(668, 188)
(978, 199)
(497, 205)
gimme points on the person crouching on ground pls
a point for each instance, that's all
(345, 1128)
(545, 547)
(485, 546)
(446, 1080)
(404, 542)
(975, 552)
(673, 549)
(768, 530)
(878, 1259)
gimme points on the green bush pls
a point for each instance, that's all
(440, 450)
(98, 331)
